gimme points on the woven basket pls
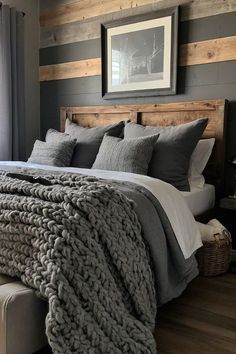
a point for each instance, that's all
(214, 256)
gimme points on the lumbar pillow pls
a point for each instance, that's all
(198, 161)
(89, 141)
(52, 153)
(127, 155)
(172, 151)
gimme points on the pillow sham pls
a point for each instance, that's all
(172, 151)
(127, 155)
(52, 153)
(198, 161)
(89, 141)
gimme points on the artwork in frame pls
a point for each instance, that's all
(139, 55)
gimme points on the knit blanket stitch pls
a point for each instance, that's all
(77, 241)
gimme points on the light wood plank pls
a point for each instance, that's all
(74, 69)
(85, 9)
(210, 51)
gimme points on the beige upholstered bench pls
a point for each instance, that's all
(22, 321)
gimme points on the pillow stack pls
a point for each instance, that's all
(77, 147)
(89, 141)
(173, 154)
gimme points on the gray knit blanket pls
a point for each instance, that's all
(77, 241)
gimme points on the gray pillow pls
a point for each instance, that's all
(172, 152)
(52, 153)
(89, 141)
(129, 155)
(54, 136)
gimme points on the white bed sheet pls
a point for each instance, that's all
(200, 200)
(172, 201)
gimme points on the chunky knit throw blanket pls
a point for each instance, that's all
(77, 241)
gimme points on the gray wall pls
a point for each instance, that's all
(208, 81)
(32, 88)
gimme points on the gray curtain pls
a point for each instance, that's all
(12, 87)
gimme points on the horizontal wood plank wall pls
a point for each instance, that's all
(222, 49)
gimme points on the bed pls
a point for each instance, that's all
(175, 252)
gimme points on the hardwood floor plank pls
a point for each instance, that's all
(202, 320)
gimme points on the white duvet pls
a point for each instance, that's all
(174, 204)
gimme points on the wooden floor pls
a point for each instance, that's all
(200, 321)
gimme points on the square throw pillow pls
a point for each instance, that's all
(172, 151)
(89, 141)
(127, 155)
(52, 153)
(198, 161)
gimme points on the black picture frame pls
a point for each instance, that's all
(139, 55)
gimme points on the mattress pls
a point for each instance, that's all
(200, 200)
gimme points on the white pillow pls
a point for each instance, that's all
(198, 161)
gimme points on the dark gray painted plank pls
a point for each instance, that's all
(76, 86)
(227, 71)
(70, 52)
(197, 75)
(201, 29)
(207, 74)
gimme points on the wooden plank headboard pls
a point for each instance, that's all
(164, 114)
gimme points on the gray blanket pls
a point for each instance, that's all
(78, 242)
(171, 271)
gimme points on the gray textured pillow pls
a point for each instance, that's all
(172, 152)
(129, 155)
(54, 136)
(52, 153)
(89, 141)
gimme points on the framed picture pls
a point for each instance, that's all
(139, 55)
